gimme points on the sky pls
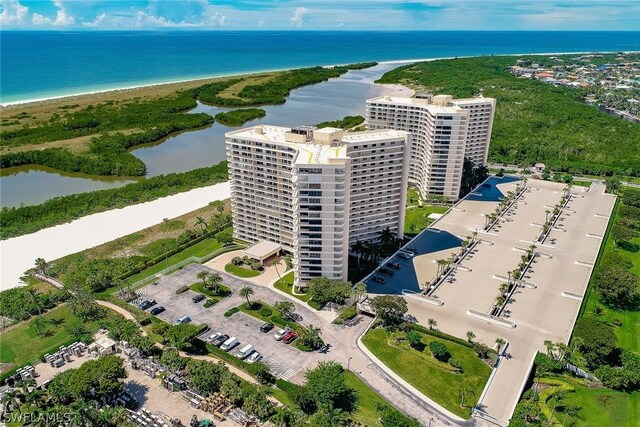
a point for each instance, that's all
(595, 15)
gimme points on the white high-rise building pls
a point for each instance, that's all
(443, 132)
(315, 192)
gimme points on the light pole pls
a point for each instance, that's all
(430, 421)
(349, 364)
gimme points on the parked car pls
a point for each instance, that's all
(324, 349)
(197, 298)
(394, 265)
(157, 310)
(213, 336)
(229, 344)
(255, 357)
(219, 340)
(289, 337)
(245, 351)
(266, 327)
(146, 304)
(386, 271)
(281, 333)
(379, 279)
(183, 319)
(405, 255)
(410, 318)
(411, 249)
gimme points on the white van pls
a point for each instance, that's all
(229, 344)
(245, 351)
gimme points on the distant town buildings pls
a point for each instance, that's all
(315, 192)
(443, 132)
(613, 87)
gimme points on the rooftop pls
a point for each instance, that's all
(326, 145)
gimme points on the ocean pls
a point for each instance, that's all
(42, 64)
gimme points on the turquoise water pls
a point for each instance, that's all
(38, 64)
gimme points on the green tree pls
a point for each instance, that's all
(612, 185)
(414, 339)
(285, 308)
(470, 336)
(246, 292)
(41, 266)
(182, 335)
(598, 340)
(310, 337)
(213, 282)
(201, 223)
(390, 308)
(432, 323)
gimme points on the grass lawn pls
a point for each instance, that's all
(602, 407)
(21, 345)
(286, 285)
(200, 249)
(629, 333)
(240, 271)
(581, 183)
(413, 196)
(435, 379)
(223, 291)
(368, 401)
(416, 218)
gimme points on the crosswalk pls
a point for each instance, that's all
(278, 369)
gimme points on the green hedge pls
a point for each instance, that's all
(231, 311)
(439, 334)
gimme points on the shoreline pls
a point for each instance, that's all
(51, 243)
(38, 101)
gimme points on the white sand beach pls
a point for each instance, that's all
(18, 254)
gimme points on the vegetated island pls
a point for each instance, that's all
(239, 117)
(347, 122)
(93, 133)
(534, 121)
(17, 221)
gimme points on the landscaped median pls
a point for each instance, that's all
(285, 284)
(455, 385)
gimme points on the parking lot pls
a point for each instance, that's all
(283, 360)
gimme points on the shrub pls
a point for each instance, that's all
(266, 312)
(439, 351)
(597, 341)
(455, 363)
(231, 312)
(182, 289)
(236, 260)
(145, 321)
(209, 303)
(414, 338)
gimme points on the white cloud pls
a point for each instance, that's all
(13, 13)
(62, 17)
(198, 13)
(98, 22)
(299, 17)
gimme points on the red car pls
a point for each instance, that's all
(288, 339)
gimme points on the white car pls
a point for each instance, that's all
(213, 337)
(281, 333)
(254, 357)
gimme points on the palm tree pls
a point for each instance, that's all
(386, 237)
(546, 215)
(470, 336)
(310, 337)
(34, 298)
(358, 290)
(202, 223)
(441, 266)
(203, 275)
(500, 342)
(432, 323)
(358, 248)
(213, 282)
(41, 266)
(246, 292)
(39, 324)
(573, 412)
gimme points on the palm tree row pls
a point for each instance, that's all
(211, 281)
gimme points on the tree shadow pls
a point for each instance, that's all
(138, 390)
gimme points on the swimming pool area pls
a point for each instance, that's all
(488, 191)
(405, 278)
